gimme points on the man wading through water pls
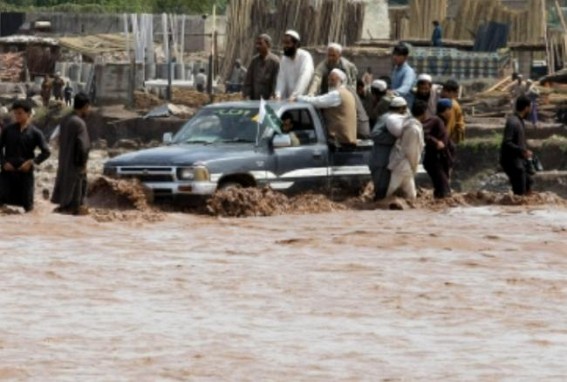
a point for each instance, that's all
(74, 144)
(18, 142)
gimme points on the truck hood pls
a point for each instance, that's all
(182, 155)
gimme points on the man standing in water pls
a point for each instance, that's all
(514, 152)
(74, 144)
(18, 142)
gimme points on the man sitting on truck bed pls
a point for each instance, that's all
(339, 109)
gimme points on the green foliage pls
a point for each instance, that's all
(107, 6)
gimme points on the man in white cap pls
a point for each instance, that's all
(406, 154)
(339, 109)
(334, 60)
(381, 99)
(384, 140)
(296, 68)
(428, 92)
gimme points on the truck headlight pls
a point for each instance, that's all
(198, 173)
(110, 171)
(201, 174)
(185, 173)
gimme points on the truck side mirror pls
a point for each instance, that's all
(167, 138)
(281, 140)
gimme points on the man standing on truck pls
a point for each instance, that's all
(383, 143)
(319, 83)
(263, 71)
(296, 68)
(339, 109)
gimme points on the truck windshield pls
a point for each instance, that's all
(231, 124)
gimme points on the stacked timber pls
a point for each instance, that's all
(318, 22)
(526, 25)
(422, 13)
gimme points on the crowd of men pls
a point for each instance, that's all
(409, 118)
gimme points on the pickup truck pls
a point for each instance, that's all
(224, 145)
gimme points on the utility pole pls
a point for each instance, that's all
(211, 57)
(169, 65)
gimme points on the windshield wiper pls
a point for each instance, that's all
(237, 140)
(197, 141)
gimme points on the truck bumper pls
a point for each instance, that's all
(160, 189)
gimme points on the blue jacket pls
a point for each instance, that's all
(436, 37)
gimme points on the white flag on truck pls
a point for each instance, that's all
(262, 113)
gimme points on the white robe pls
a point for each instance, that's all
(294, 75)
(405, 157)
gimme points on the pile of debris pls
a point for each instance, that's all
(196, 99)
(145, 101)
(11, 66)
(496, 102)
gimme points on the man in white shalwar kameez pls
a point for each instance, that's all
(406, 154)
(296, 68)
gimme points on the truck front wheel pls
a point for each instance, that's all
(230, 185)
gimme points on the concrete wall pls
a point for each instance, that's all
(139, 129)
(69, 24)
(376, 20)
(113, 83)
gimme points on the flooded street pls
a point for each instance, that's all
(459, 294)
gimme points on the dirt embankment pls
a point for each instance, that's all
(266, 202)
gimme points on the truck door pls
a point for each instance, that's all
(303, 166)
(348, 168)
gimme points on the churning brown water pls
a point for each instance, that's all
(456, 294)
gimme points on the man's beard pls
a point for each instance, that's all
(290, 52)
(422, 96)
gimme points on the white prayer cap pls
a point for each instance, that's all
(340, 73)
(380, 85)
(293, 34)
(395, 124)
(425, 77)
(336, 47)
(398, 102)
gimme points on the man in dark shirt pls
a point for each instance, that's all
(514, 152)
(262, 73)
(18, 142)
(74, 144)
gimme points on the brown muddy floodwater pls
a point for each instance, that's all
(469, 293)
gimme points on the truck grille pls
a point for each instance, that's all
(148, 174)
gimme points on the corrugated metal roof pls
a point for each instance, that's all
(96, 44)
(25, 39)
